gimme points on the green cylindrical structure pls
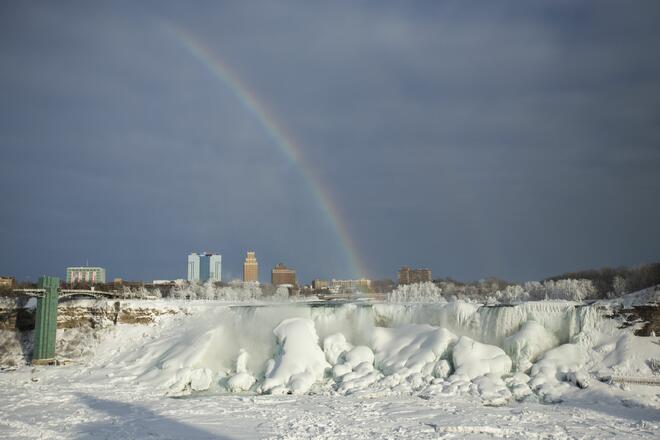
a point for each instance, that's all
(46, 321)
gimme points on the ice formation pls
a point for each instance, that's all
(530, 350)
(299, 361)
(472, 359)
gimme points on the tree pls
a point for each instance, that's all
(619, 285)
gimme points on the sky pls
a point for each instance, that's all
(517, 139)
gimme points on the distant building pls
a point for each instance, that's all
(412, 276)
(250, 268)
(162, 282)
(204, 267)
(6, 282)
(283, 275)
(320, 284)
(351, 285)
(85, 275)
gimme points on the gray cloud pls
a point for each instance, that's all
(517, 139)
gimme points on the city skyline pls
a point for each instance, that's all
(517, 141)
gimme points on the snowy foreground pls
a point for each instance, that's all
(551, 370)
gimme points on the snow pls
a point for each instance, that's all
(207, 369)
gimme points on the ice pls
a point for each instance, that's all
(526, 345)
(492, 389)
(551, 374)
(408, 349)
(473, 359)
(240, 382)
(442, 348)
(334, 346)
(518, 384)
(200, 379)
(358, 355)
(300, 362)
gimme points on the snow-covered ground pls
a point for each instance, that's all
(549, 369)
(70, 407)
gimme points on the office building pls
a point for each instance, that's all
(283, 275)
(251, 268)
(412, 276)
(204, 267)
(85, 275)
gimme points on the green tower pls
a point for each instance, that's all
(46, 321)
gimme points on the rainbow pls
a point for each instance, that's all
(276, 132)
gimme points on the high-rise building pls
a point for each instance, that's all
(250, 268)
(85, 274)
(283, 275)
(412, 276)
(204, 267)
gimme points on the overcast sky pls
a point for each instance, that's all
(513, 139)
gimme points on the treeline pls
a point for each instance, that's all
(608, 281)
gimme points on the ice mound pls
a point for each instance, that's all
(187, 380)
(411, 349)
(242, 380)
(334, 346)
(358, 355)
(473, 359)
(492, 389)
(299, 362)
(356, 372)
(525, 346)
(557, 367)
(183, 367)
(518, 384)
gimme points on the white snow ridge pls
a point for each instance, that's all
(445, 369)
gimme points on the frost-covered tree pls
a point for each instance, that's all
(420, 292)
(619, 285)
(570, 290)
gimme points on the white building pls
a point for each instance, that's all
(85, 274)
(350, 285)
(204, 267)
